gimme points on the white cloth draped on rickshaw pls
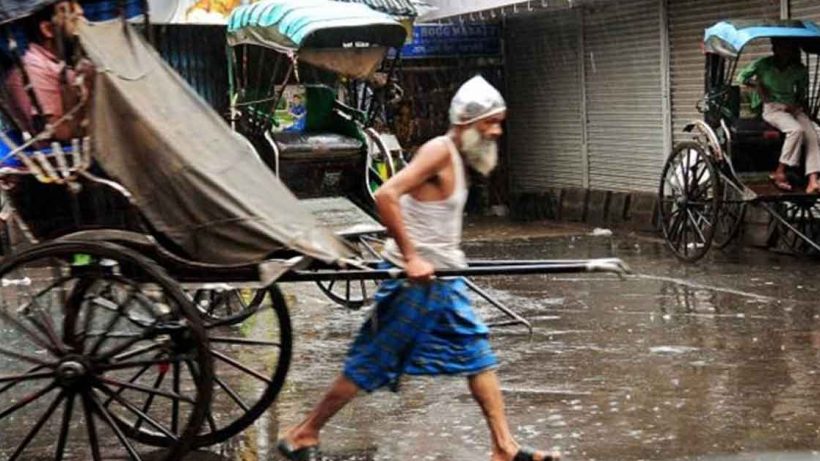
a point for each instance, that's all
(196, 181)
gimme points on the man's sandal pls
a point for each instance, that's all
(528, 454)
(310, 453)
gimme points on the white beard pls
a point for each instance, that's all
(481, 154)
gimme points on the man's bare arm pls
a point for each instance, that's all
(427, 163)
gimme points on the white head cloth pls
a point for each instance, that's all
(475, 100)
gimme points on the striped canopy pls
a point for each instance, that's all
(298, 24)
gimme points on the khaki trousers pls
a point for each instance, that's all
(799, 131)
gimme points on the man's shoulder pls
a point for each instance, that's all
(765, 61)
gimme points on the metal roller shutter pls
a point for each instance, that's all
(544, 99)
(622, 48)
(805, 9)
(687, 21)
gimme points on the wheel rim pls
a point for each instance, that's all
(227, 305)
(376, 150)
(730, 216)
(352, 294)
(804, 215)
(94, 321)
(251, 362)
(688, 201)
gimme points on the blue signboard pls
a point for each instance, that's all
(434, 41)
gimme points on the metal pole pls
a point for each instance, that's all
(666, 80)
(613, 266)
(582, 74)
(517, 319)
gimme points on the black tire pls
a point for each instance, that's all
(231, 305)
(688, 201)
(354, 294)
(804, 214)
(226, 417)
(351, 294)
(87, 315)
(730, 216)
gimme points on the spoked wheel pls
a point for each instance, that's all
(804, 215)
(730, 215)
(353, 294)
(251, 361)
(688, 200)
(226, 304)
(380, 165)
(95, 334)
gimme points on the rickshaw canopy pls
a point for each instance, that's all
(347, 38)
(197, 182)
(728, 38)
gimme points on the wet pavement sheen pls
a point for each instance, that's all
(717, 360)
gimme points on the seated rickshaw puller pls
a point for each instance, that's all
(426, 326)
(781, 82)
(52, 32)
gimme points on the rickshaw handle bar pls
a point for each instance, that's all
(615, 266)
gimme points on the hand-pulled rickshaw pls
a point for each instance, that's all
(707, 182)
(288, 60)
(102, 348)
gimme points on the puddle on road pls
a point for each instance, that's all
(681, 362)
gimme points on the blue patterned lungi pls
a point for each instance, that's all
(419, 329)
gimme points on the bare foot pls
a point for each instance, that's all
(298, 438)
(780, 181)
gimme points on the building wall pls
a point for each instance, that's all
(598, 94)
(624, 125)
(545, 134)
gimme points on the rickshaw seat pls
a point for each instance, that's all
(755, 129)
(756, 145)
(319, 144)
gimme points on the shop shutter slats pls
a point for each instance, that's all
(622, 47)
(544, 99)
(687, 21)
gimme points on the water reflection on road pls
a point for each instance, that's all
(680, 361)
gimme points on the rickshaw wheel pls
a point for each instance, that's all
(251, 361)
(804, 215)
(730, 215)
(228, 305)
(354, 294)
(689, 201)
(86, 325)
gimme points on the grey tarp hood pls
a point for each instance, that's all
(196, 181)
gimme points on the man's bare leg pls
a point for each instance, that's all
(779, 178)
(486, 391)
(306, 433)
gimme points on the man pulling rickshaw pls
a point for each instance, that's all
(427, 326)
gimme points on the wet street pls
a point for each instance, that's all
(713, 361)
(717, 360)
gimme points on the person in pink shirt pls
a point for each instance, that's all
(52, 33)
